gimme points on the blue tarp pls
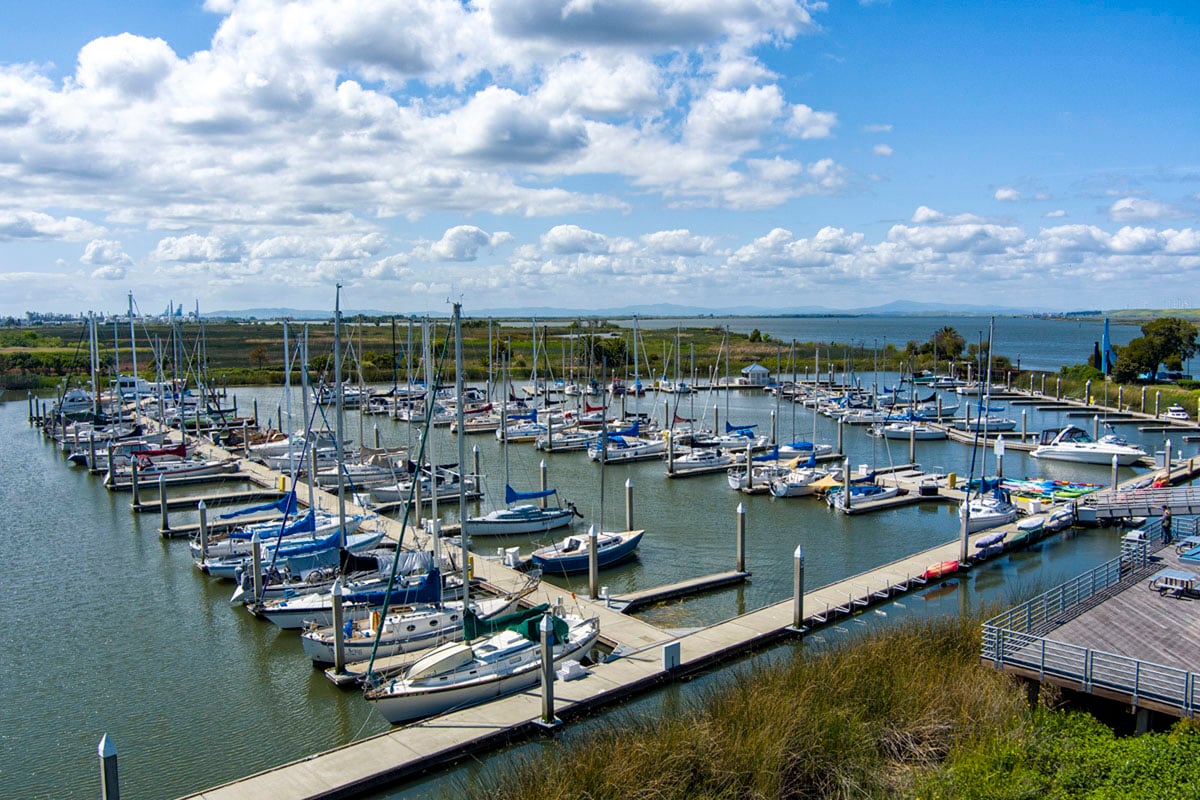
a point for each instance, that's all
(285, 505)
(512, 496)
(732, 428)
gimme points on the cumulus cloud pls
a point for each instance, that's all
(1007, 194)
(128, 66)
(35, 225)
(678, 242)
(1141, 209)
(1055, 214)
(809, 124)
(878, 128)
(563, 239)
(882, 150)
(196, 249)
(105, 253)
(463, 242)
(734, 116)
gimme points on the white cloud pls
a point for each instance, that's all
(34, 225)
(1139, 209)
(564, 239)
(678, 242)
(105, 253)
(882, 150)
(809, 124)
(734, 116)
(196, 249)
(1007, 194)
(126, 66)
(1055, 214)
(110, 272)
(878, 128)
(463, 242)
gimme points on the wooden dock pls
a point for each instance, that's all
(631, 602)
(210, 500)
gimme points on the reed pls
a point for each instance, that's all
(862, 719)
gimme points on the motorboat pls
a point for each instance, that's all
(1176, 412)
(1075, 444)
(573, 553)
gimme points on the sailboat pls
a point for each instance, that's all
(990, 505)
(523, 517)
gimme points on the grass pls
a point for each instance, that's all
(865, 719)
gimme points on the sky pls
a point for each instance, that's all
(583, 154)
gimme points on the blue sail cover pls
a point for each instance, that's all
(530, 417)
(632, 430)
(332, 540)
(512, 496)
(731, 428)
(771, 456)
(286, 505)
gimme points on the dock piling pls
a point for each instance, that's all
(203, 509)
(375, 428)
(91, 451)
(845, 483)
(109, 469)
(628, 504)
(109, 785)
(912, 442)
(593, 564)
(256, 413)
(798, 590)
(999, 450)
(164, 519)
(475, 463)
(256, 566)
(1095, 426)
(773, 428)
(1058, 388)
(1024, 424)
(1143, 399)
(839, 432)
(1157, 400)
(339, 640)
(1167, 460)
(134, 481)
(546, 628)
(1114, 475)
(544, 474)
(741, 537)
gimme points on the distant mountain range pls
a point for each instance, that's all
(894, 308)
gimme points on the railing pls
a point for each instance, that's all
(1153, 498)
(1012, 638)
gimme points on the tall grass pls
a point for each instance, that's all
(863, 719)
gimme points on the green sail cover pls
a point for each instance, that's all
(524, 622)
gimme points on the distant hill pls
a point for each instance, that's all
(896, 307)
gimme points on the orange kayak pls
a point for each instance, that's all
(940, 569)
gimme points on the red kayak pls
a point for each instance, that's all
(940, 570)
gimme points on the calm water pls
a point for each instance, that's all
(1041, 344)
(110, 629)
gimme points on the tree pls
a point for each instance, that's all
(1168, 340)
(259, 356)
(948, 342)
(756, 335)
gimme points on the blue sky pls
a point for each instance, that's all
(598, 153)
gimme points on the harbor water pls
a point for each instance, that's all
(111, 630)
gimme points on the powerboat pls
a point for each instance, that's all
(1074, 444)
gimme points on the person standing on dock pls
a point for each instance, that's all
(1166, 524)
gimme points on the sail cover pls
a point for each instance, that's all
(511, 495)
(285, 505)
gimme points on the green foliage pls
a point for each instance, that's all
(27, 338)
(1167, 340)
(1070, 754)
(1082, 372)
(756, 335)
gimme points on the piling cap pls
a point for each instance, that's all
(336, 591)
(546, 626)
(799, 552)
(107, 748)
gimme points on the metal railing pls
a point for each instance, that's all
(1014, 638)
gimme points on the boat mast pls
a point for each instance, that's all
(430, 456)
(137, 394)
(462, 453)
(287, 404)
(340, 409)
(310, 437)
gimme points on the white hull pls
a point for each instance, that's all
(399, 702)
(519, 520)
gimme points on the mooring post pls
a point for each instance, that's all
(912, 441)
(110, 471)
(339, 637)
(164, 519)
(545, 478)
(1157, 398)
(741, 537)
(29, 404)
(773, 427)
(475, 463)
(92, 452)
(716, 421)
(1167, 459)
(1120, 398)
(1143, 399)
(256, 566)
(1031, 384)
(245, 440)
(109, 788)
(1043, 391)
(1024, 423)
(593, 563)
(846, 483)
(629, 504)
(999, 450)
(375, 428)
(839, 433)
(939, 408)
(670, 454)
(1095, 426)
(1114, 475)
(1058, 388)
(798, 590)
(278, 416)
(256, 413)
(417, 496)
(203, 509)
(135, 492)
(546, 628)
(1087, 392)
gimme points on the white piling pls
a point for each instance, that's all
(629, 504)
(798, 590)
(256, 567)
(164, 520)
(245, 439)
(475, 463)
(773, 428)
(203, 531)
(91, 452)
(1114, 474)
(741, 537)
(134, 480)
(1095, 426)
(1143, 399)
(839, 432)
(339, 639)
(999, 450)
(545, 478)
(546, 628)
(1167, 460)
(1157, 399)
(846, 483)
(593, 563)
(1024, 423)
(109, 786)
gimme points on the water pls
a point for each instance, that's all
(1038, 343)
(110, 629)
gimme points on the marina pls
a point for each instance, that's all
(719, 614)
